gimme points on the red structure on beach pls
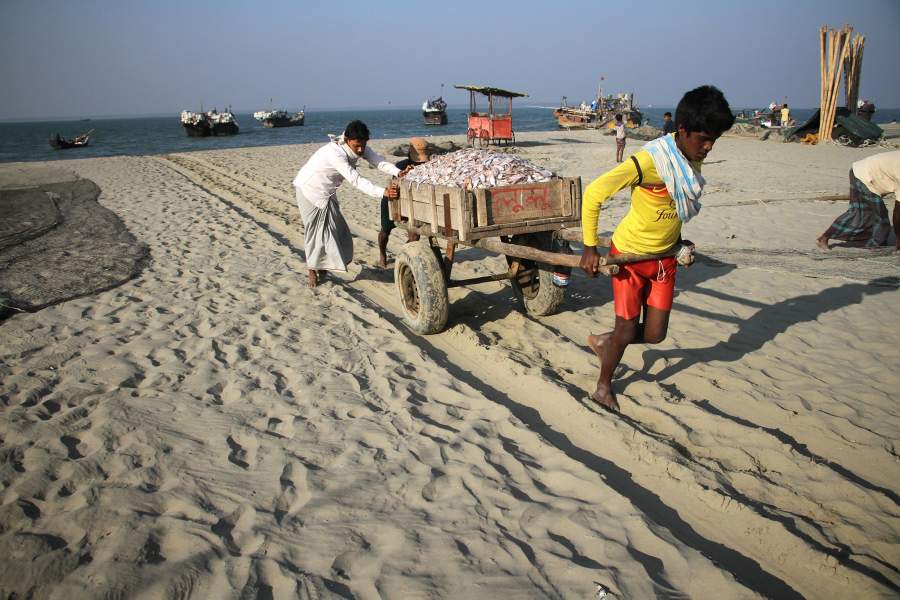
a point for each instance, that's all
(490, 127)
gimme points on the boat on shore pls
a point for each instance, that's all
(79, 141)
(210, 123)
(434, 111)
(279, 118)
(600, 113)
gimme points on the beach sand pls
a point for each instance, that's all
(215, 429)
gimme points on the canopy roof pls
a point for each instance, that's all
(493, 91)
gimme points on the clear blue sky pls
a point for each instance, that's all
(103, 57)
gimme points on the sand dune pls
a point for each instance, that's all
(215, 429)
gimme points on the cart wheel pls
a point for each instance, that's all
(423, 291)
(534, 286)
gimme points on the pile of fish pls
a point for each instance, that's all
(473, 169)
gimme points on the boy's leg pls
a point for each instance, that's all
(384, 233)
(896, 218)
(382, 248)
(311, 278)
(609, 348)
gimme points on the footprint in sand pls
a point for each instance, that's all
(237, 531)
(242, 449)
(281, 425)
(294, 491)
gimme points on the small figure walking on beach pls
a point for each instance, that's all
(666, 184)
(327, 238)
(866, 221)
(620, 138)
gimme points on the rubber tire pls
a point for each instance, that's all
(419, 277)
(548, 297)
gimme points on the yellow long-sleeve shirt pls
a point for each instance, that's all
(651, 225)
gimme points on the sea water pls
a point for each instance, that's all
(29, 141)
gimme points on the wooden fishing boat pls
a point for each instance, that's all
(79, 141)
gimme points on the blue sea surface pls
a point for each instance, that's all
(29, 141)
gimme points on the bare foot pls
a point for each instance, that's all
(321, 275)
(311, 278)
(598, 343)
(604, 396)
(382, 261)
(822, 243)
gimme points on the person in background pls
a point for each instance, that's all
(668, 124)
(866, 221)
(416, 155)
(327, 239)
(785, 115)
(666, 184)
(620, 138)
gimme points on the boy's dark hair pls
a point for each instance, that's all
(356, 130)
(704, 109)
(667, 114)
(618, 117)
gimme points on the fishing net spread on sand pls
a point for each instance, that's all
(57, 243)
(473, 169)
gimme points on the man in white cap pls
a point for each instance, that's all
(327, 238)
(417, 155)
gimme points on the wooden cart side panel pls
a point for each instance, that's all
(493, 211)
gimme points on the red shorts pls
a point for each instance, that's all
(649, 282)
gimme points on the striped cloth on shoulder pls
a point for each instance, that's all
(683, 183)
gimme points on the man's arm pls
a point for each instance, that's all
(342, 165)
(595, 195)
(379, 162)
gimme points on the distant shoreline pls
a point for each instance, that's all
(313, 109)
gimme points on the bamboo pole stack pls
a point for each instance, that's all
(852, 71)
(834, 47)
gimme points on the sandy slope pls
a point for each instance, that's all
(216, 429)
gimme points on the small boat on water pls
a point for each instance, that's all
(600, 113)
(79, 141)
(280, 118)
(204, 124)
(434, 111)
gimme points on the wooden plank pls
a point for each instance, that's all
(463, 206)
(434, 214)
(423, 212)
(542, 256)
(481, 200)
(447, 223)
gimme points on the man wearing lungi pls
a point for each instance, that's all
(329, 245)
(866, 222)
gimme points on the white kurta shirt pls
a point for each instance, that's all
(880, 172)
(331, 164)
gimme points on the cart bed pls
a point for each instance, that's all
(486, 212)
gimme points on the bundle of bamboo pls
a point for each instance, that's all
(834, 48)
(852, 71)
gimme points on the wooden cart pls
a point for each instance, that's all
(530, 224)
(493, 126)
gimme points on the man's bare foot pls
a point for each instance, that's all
(382, 261)
(598, 343)
(822, 243)
(311, 278)
(604, 396)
